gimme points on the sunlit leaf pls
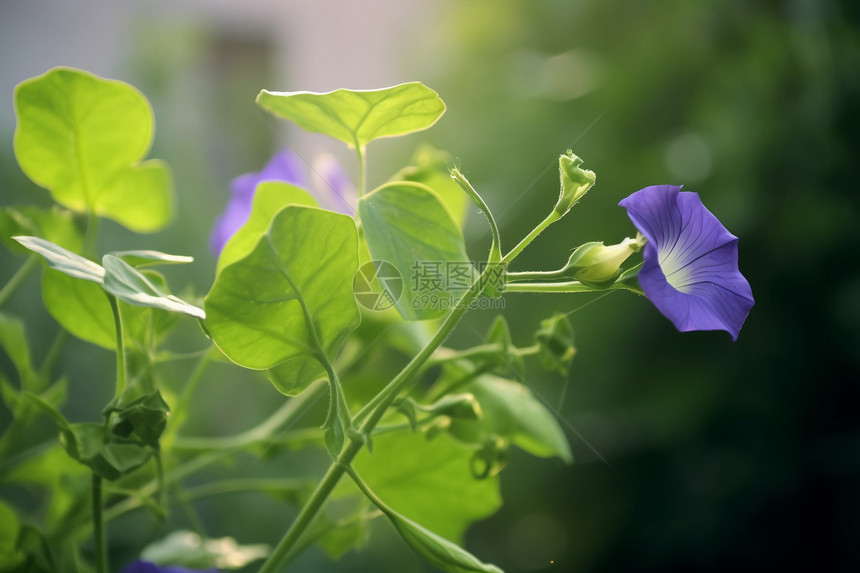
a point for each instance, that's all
(407, 225)
(292, 292)
(430, 482)
(80, 307)
(84, 138)
(269, 198)
(357, 117)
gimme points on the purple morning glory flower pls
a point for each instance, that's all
(691, 261)
(147, 567)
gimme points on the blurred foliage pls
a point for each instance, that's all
(720, 455)
(717, 455)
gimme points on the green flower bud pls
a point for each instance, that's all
(575, 182)
(596, 263)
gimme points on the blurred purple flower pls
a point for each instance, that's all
(283, 166)
(147, 567)
(691, 261)
(334, 191)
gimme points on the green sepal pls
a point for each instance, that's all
(64, 260)
(89, 444)
(508, 359)
(555, 343)
(139, 412)
(357, 117)
(436, 550)
(575, 182)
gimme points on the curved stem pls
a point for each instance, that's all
(263, 431)
(120, 348)
(371, 414)
(496, 248)
(18, 278)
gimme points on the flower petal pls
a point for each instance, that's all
(691, 261)
(283, 166)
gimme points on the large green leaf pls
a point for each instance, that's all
(430, 482)
(357, 117)
(512, 411)
(291, 295)
(269, 198)
(407, 225)
(80, 307)
(84, 138)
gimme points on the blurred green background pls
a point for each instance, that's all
(693, 452)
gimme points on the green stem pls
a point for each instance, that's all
(495, 249)
(18, 278)
(362, 170)
(550, 219)
(569, 286)
(371, 414)
(262, 432)
(98, 525)
(534, 276)
(246, 484)
(120, 347)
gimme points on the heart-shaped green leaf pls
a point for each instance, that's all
(357, 117)
(291, 295)
(407, 226)
(83, 138)
(269, 198)
(405, 466)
